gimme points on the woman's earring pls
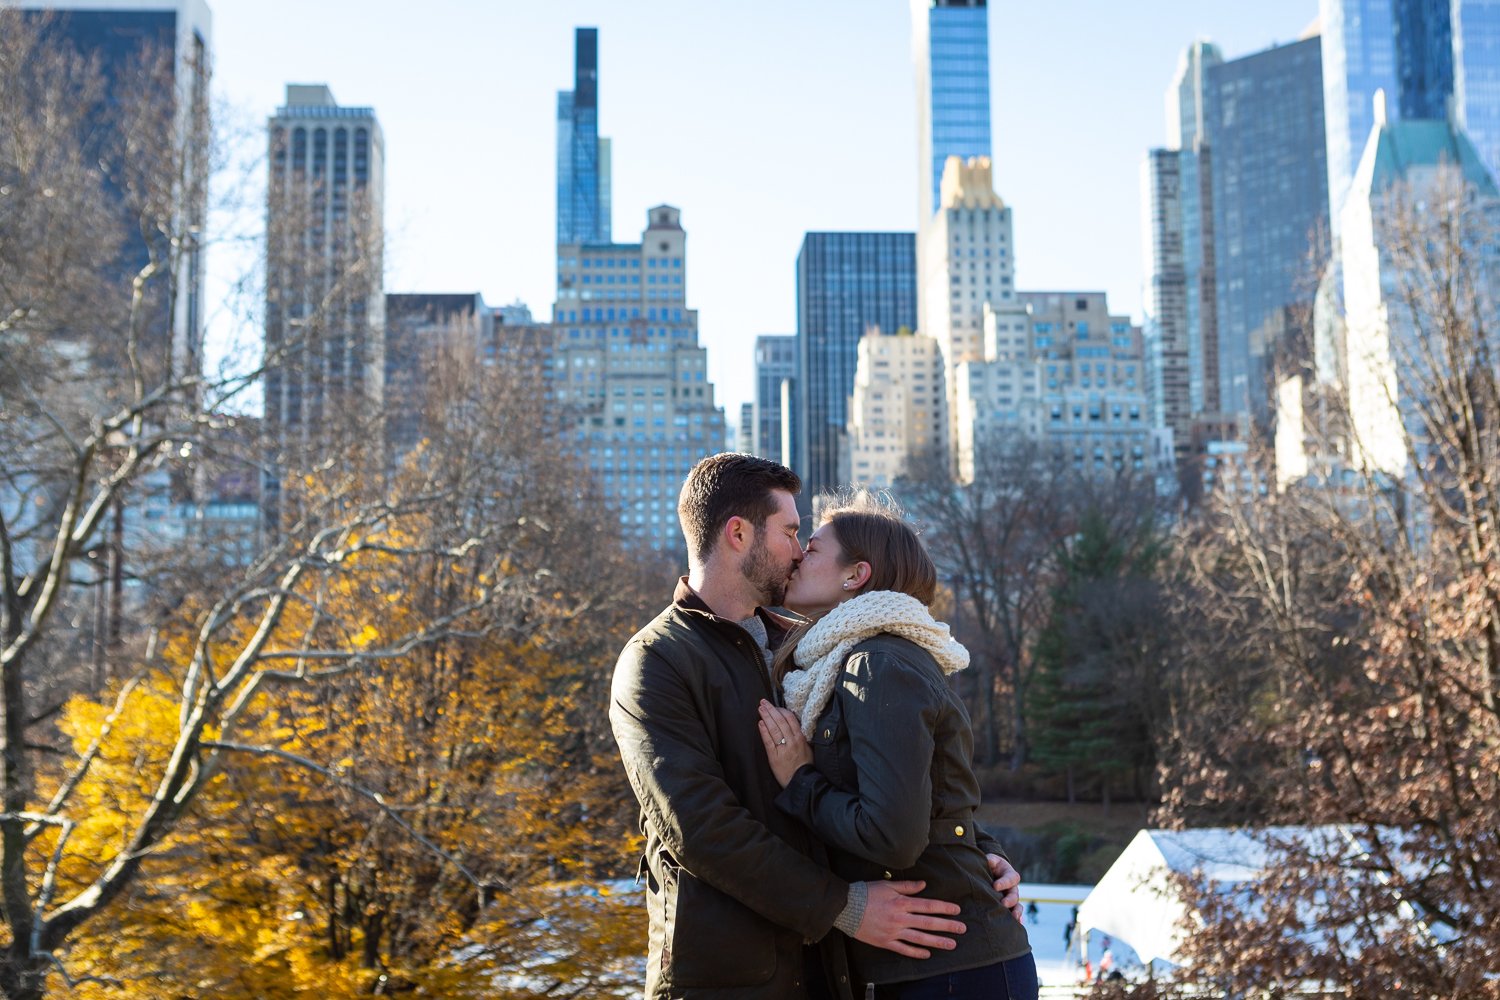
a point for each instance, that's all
(846, 584)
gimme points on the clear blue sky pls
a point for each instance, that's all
(761, 121)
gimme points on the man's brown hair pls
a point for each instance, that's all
(729, 485)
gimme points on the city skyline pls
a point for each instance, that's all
(472, 140)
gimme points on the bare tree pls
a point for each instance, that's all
(487, 536)
(1343, 670)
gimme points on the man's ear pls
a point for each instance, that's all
(738, 534)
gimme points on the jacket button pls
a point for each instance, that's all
(843, 979)
(887, 874)
(827, 733)
(958, 831)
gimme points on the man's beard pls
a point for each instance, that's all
(768, 579)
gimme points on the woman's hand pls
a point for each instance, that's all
(786, 748)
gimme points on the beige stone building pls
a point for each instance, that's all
(966, 261)
(1061, 370)
(897, 410)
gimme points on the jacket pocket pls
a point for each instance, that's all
(709, 939)
(830, 747)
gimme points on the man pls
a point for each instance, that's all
(736, 889)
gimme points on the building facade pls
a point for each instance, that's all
(1476, 76)
(1405, 163)
(422, 330)
(951, 54)
(1181, 315)
(775, 365)
(1066, 374)
(325, 304)
(896, 409)
(1264, 128)
(846, 283)
(1434, 59)
(968, 265)
(583, 158)
(119, 35)
(630, 378)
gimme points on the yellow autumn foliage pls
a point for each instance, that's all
(284, 881)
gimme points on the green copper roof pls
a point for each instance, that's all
(1402, 145)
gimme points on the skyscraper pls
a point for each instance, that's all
(1423, 41)
(775, 363)
(966, 252)
(583, 159)
(1435, 59)
(846, 283)
(1264, 130)
(1409, 162)
(325, 306)
(422, 330)
(951, 53)
(630, 377)
(1476, 76)
(119, 34)
(1181, 320)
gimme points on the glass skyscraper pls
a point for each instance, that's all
(846, 283)
(1265, 135)
(951, 50)
(583, 184)
(1181, 317)
(1423, 35)
(775, 365)
(1476, 76)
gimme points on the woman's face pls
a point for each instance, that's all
(818, 583)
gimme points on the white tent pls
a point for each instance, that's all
(1137, 901)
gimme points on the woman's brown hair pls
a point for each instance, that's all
(871, 528)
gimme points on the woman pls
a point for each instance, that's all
(873, 752)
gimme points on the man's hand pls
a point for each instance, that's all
(1008, 885)
(896, 919)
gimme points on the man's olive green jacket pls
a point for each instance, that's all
(735, 888)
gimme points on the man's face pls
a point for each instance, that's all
(775, 553)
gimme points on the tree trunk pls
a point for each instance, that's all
(23, 976)
(989, 741)
(1018, 730)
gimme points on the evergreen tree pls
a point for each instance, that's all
(1090, 701)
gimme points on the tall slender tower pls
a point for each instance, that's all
(325, 305)
(583, 159)
(1182, 339)
(951, 52)
(1265, 133)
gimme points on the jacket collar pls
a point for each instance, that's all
(777, 626)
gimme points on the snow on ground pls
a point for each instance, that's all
(1057, 963)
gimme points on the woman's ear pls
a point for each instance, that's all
(861, 571)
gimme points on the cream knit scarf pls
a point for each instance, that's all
(821, 651)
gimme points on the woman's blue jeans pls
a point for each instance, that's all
(1012, 980)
